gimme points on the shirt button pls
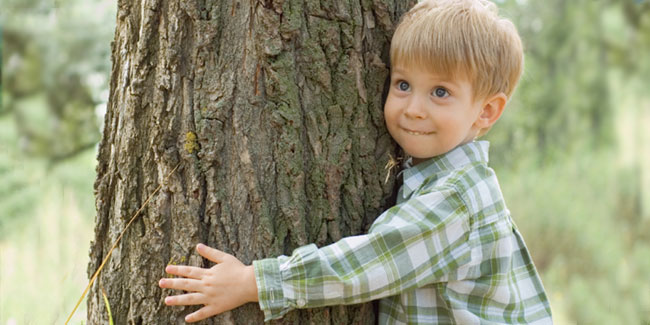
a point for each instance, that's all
(301, 303)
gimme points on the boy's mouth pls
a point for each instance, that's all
(413, 132)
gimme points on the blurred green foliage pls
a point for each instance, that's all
(571, 159)
(564, 102)
(571, 152)
(55, 68)
(586, 239)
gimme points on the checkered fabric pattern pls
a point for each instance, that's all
(447, 253)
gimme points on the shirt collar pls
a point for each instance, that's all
(414, 176)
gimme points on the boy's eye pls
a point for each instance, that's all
(403, 85)
(440, 92)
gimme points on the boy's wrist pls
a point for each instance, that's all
(250, 284)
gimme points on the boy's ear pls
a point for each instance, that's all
(493, 107)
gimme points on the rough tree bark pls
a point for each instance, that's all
(272, 108)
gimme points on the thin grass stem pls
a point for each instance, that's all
(94, 277)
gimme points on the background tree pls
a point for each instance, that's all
(273, 109)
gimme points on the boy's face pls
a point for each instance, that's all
(429, 115)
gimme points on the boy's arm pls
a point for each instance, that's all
(419, 242)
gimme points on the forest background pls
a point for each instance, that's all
(572, 152)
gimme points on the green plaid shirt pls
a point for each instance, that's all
(447, 253)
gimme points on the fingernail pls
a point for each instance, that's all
(167, 300)
(199, 246)
(161, 282)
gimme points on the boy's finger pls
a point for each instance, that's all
(193, 298)
(181, 284)
(210, 253)
(200, 314)
(185, 271)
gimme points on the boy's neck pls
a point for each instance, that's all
(415, 161)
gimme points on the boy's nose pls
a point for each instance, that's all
(414, 109)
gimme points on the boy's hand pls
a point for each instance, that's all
(225, 286)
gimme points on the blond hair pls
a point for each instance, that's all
(461, 38)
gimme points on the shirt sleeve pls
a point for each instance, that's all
(419, 242)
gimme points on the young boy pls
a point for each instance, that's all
(448, 252)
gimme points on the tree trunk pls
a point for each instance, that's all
(272, 108)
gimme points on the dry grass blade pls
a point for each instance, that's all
(108, 307)
(94, 277)
(392, 163)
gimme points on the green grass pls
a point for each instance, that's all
(585, 233)
(43, 260)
